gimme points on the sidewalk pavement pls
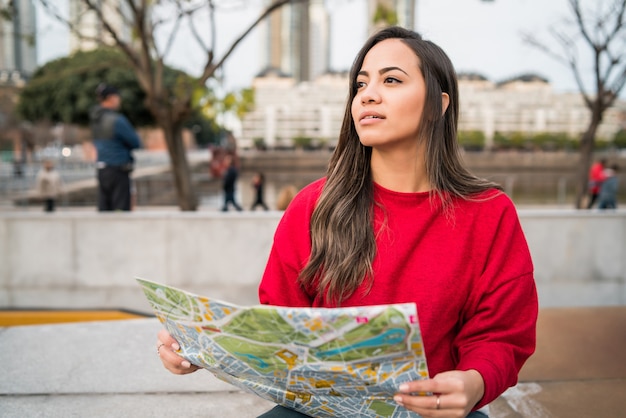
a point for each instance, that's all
(111, 369)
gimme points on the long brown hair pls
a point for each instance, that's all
(343, 244)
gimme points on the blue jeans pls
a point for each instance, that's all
(282, 412)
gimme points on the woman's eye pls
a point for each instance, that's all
(360, 84)
(392, 80)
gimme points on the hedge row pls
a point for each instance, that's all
(475, 141)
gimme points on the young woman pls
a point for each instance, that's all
(399, 219)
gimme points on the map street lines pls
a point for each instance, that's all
(341, 362)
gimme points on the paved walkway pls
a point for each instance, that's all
(110, 369)
(578, 370)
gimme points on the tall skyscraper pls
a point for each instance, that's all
(297, 40)
(319, 39)
(379, 11)
(406, 13)
(18, 37)
(116, 12)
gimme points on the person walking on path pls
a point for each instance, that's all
(399, 219)
(258, 184)
(229, 183)
(596, 177)
(49, 185)
(607, 198)
(114, 139)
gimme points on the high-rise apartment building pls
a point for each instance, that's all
(380, 11)
(297, 40)
(18, 40)
(93, 33)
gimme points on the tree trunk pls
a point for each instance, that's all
(587, 143)
(187, 199)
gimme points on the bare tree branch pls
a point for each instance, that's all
(122, 14)
(56, 14)
(618, 21)
(210, 68)
(575, 5)
(196, 34)
(213, 29)
(169, 108)
(97, 9)
(603, 31)
(172, 36)
(619, 82)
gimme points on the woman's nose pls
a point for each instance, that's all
(370, 95)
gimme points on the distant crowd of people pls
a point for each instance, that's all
(115, 140)
(115, 189)
(225, 166)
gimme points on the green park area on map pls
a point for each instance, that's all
(324, 362)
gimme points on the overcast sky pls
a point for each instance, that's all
(483, 37)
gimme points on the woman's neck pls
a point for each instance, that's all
(403, 171)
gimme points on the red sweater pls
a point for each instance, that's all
(470, 275)
(596, 177)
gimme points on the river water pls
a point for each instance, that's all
(539, 185)
(525, 189)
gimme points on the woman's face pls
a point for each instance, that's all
(390, 99)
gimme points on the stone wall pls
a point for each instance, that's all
(89, 260)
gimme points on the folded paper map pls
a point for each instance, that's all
(340, 362)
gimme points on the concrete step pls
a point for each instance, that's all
(110, 368)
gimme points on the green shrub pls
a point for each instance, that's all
(303, 142)
(512, 141)
(472, 140)
(259, 143)
(551, 141)
(501, 141)
(619, 140)
(602, 144)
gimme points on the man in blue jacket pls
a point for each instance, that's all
(114, 139)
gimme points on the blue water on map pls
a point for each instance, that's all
(254, 359)
(389, 337)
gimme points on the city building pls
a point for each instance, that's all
(285, 109)
(297, 40)
(18, 61)
(91, 29)
(18, 47)
(528, 104)
(390, 12)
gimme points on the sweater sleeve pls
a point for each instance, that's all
(279, 285)
(499, 326)
(290, 253)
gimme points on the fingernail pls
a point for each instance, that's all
(175, 346)
(404, 387)
(398, 399)
(185, 364)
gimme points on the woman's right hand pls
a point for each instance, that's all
(167, 348)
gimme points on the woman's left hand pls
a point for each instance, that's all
(454, 394)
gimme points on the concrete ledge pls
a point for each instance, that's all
(89, 260)
(156, 405)
(104, 369)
